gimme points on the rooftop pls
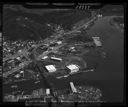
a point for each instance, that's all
(73, 67)
(50, 68)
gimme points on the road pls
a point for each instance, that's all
(16, 69)
(24, 52)
(109, 75)
(82, 26)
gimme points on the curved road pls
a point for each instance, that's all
(110, 74)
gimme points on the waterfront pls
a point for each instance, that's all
(108, 76)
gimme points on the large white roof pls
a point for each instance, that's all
(50, 68)
(73, 68)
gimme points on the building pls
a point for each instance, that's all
(73, 87)
(73, 68)
(50, 68)
(55, 58)
(97, 41)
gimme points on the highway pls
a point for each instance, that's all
(24, 52)
(84, 25)
(16, 69)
